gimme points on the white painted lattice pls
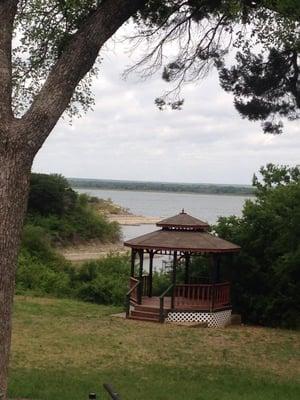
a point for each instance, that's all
(217, 319)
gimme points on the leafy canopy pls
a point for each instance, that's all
(265, 275)
(265, 36)
(265, 85)
(42, 31)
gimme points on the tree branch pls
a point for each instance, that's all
(8, 11)
(75, 61)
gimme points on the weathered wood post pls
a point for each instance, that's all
(140, 287)
(151, 255)
(214, 278)
(187, 268)
(133, 254)
(174, 278)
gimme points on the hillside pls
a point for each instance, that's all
(64, 349)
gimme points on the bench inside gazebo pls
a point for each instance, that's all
(183, 237)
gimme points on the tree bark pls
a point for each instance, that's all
(8, 10)
(14, 184)
(20, 139)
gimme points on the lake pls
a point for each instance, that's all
(207, 207)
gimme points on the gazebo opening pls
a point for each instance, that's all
(183, 237)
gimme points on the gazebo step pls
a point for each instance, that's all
(146, 309)
(143, 318)
(137, 313)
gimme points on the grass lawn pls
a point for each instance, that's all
(64, 349)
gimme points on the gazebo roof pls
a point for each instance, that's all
(182, 221)
(174, 235)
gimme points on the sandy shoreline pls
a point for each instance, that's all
(94, 250)
(129, 219)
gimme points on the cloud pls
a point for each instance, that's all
(127, 137)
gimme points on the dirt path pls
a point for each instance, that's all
(91, 251)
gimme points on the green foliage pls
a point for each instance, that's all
(265, 88)
(161, 281)
(65, 215)
(274, 176)
(45, 29)
(58, 215)
(50, 194)
(104, 281)
(41, 271)
(265, 275)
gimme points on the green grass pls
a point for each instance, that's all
(64, 349)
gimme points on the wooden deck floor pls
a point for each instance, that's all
(180, 303)
(153, 302)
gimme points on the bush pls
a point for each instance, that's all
(58, 215)
(66, 216)
(265, 275)
(40, 270)
(104, 281)
(50, 194)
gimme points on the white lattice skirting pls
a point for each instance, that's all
(217, 319)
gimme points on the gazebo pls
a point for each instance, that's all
(181, 236)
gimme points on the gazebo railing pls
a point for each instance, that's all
(222, 294)
(137, 289)
(133, 294)
(161, 302)
(203, 296)
(192, 295)
(133, 289)
(145, 284)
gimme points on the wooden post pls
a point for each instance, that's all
(140, 287)
(213, 280)
(151, 255)
(187, 268)
(133, 254)
(218, 263)
(174, 278)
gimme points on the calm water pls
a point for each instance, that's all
(157, 204)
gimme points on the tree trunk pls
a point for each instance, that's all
(14, 185)
(18, 146)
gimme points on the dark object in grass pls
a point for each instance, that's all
(92, 396)
(111, 391)
(236, 319)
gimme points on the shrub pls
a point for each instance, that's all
(40, 269)
(104, 281)
(50, 194)
(265, 275)
(65, 215)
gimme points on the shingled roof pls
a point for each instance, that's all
(183, 233)
(183, 220)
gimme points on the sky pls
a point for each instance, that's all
(126, 137)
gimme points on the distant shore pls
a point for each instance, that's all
(162, 187)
